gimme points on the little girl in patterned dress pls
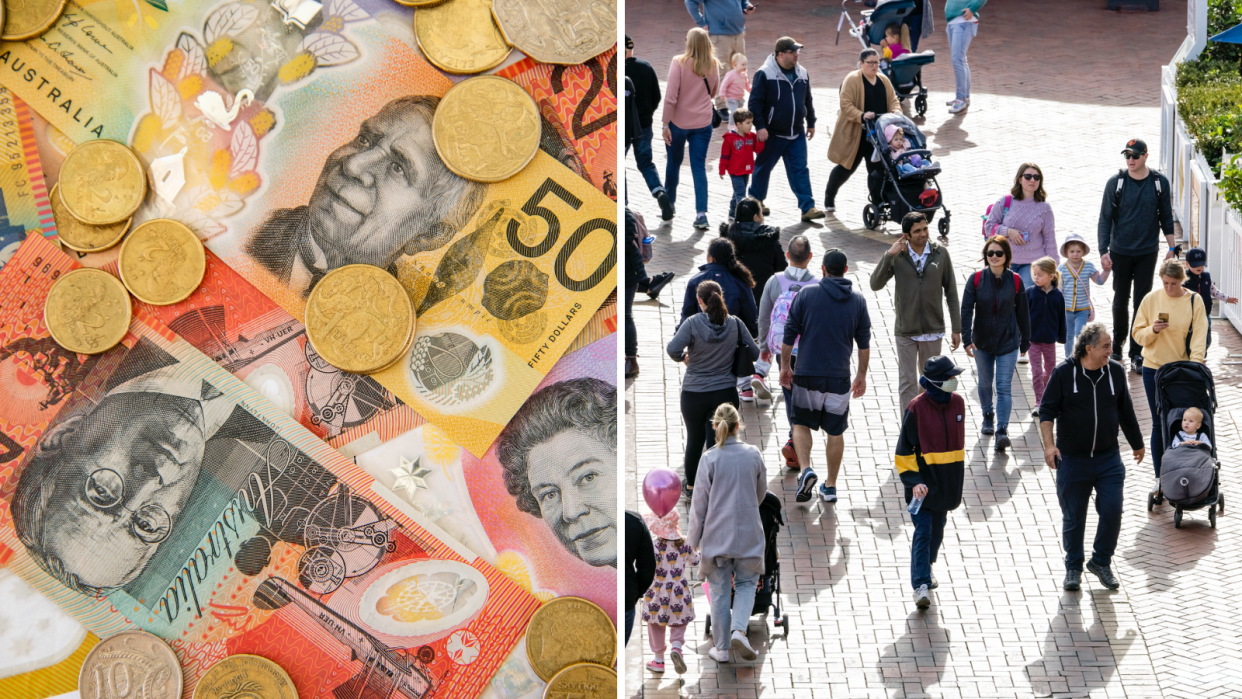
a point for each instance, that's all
(669, 601)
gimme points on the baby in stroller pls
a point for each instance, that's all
(1192, 434)
(895, 136)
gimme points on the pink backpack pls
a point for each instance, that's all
(989, 233)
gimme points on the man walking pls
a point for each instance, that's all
(1137, 208)
(780, 99)
(826, 320)
(1089, 399)
(725, 22)
(646, 97)
(774, 304)
(925, 282)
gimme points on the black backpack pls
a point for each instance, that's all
(1121, 182)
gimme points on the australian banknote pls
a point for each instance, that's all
(23, 195)
(147, 487)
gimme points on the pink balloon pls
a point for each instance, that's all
(661, 489)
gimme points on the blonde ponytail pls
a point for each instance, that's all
(726, 421)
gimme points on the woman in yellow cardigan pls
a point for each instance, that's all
(1171, 325)
(865, 93)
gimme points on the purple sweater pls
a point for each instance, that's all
(1032, 217)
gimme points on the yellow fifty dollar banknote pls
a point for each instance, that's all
(296, 138)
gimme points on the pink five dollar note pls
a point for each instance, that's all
(152, 489)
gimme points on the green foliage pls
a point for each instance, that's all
(1205, 70)
(1212, 114)
(1230, 184)
(1222, 15)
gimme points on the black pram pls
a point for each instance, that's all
(1189, 475)
(768, 591)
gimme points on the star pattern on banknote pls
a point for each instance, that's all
(411, 476)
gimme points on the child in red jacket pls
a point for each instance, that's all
(737, 157)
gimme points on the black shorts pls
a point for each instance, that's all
(822, 403)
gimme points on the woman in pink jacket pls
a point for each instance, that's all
(693, 80)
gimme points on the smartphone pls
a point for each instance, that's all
(1164, 317)
(1057, 460)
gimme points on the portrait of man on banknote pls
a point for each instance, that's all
(380, 196)
(559, 454)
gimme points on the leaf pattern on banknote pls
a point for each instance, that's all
(347, 10)
(195, 62)
(329, 49)
(245, 150)
(165, 101)
(229, 20)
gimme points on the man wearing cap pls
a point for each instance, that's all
(1199, 281)
(1136, 209)
(780, 99)
(931, 462)
(645, 97)
(826, 320)
(725, 22)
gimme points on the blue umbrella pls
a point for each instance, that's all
(1229, 36)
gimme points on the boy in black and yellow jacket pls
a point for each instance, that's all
(931, 456)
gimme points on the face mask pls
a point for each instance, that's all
(949, 385)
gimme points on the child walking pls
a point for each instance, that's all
(669, 602)
(1199, 281)
(735, 85)
(1047, 309)
(737, 156)
(1076, 276)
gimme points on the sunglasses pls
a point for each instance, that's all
(996, 253)
(871, 63)
(1132, 156)
(1030, 177)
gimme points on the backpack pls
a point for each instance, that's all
(1121, 181)
(780, 311)
(974, 282)
(988, 213)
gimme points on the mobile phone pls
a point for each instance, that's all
(1057, 460)
(1164, 317)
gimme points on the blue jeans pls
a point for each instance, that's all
(1075, 321)
(642, 157)
(998, 367)
(727, 617)
(629, 624)
(1024, 273)
(698, 139)
(631, 331)
(794, 153)
(1076, 478)
(739, 191)
(928, 535)
(1157, 439)
(960, 35)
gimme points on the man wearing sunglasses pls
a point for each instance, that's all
(1136, 209)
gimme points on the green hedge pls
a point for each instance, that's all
(1209, 88)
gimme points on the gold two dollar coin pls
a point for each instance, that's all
(568, 631)
(583, 681)
(567, 33)
(460, 36)
(360, 319)
(162, 262)
(245, 676)
(486, 129)
(121, 664)
(79, 236)
(87, 311)
(26, 19)
(101, 182)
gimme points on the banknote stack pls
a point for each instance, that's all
(307, 348)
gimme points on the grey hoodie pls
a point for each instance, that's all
(711, 347)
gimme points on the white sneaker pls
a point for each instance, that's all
(720, 656)
(741, 646)
(1022, 359)
(958, 106)
(760, 387)
(922, 599)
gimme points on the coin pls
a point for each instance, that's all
(419, 3)
(486, 129)
(103, 183)
(162, 262)
(583, 681)
(129, 661)
(245, 676)
(460, 36)
(558, 31)
(568, 631)
(359, 319)
(79, 236)
(26, 19)
(87, 311)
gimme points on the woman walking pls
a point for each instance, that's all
(735, 280)
(707, 343)
(693, 80)
(963, 19)
(1171, 326)
(1024, 216)
(725, 527)
(865, 94)
(996, 302)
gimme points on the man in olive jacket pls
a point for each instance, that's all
(925, 282)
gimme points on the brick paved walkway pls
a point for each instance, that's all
(1053, 83)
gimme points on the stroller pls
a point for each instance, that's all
(906, 71)
(1189, 476)
(768, 591)
(903, 188)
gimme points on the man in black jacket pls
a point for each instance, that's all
(640, 565)
(646, 97)
(1137, 207)
(1089, 399)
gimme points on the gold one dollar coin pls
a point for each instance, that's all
(360, 319)
(162, 262)
(87, 311)
(102, 182)
(568, 631)
(583, 681)
(567, 33)
(460, 36)
(26, 19)
(240, 676)
(79, 236)
(130, 664)
(486, 129)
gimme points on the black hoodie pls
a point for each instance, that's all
(1089, 409)
(758, 247)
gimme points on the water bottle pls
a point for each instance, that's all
(915, 505)
(645, 249)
